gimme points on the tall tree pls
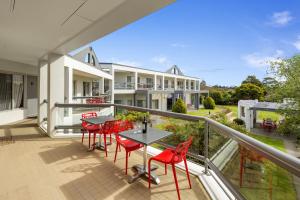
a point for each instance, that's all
(249, 91)
(253, 80)
(287, 72)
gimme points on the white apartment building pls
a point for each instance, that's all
(136, 86)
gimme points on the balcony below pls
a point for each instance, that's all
(35, 166)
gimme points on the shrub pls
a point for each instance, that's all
(179, 107)
(239, 121)
(217, 96)
(209, 103)
(133, 116)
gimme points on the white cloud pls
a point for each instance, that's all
(297, 43)
(262, 61)
(162, 60)
(281, 18)
(179, 45)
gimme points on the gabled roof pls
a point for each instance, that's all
(175, 70)
(90, 55)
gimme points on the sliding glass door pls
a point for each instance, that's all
(11, 91)
(5, 91)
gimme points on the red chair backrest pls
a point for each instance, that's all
(87, 115)
(123, 126)
(182, 149)
(129, 125)
(110, 127)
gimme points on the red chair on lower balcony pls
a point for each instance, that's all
(90, 128)
(128, 145)
(172, 157)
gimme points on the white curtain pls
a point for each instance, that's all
(17, 91)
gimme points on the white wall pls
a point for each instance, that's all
(9, 116)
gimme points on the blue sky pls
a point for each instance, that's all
(219, 41)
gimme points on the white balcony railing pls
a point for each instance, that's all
(124, 86)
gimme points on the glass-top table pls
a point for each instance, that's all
(98, 120)
(146, 139)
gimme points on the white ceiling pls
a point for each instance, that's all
(37, 27)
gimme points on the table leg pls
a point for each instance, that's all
(142, 170)
(100, 146)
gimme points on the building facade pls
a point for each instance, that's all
(140, 87)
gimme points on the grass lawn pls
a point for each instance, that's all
(205, 112)
(234, 110)
(267, 114)
(274, 142)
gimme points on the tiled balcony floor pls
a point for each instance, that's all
(38, 167)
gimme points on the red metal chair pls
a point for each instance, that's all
(90, 128)
(128, 145)
(108, 128)
(172, 157)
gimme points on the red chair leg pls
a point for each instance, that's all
(110, 138)
(82, 137)
(166, 168)
(94, 141)
(117, 145)
(187, 173)
(149, 173)
(89, 140)
(126, 164)
(175, 178)
(105, 145)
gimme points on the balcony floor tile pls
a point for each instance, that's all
(34, 166)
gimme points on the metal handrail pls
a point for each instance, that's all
(288, 162)
(278, 157)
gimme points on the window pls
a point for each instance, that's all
(86, 89)
(149, 82)
(74, 88)
(155, 104)
(118, 101)
(11, 91)
(166, 83)
(129, 79)
(242, 111)
(95, 88)
(141, 103)
(5, 91)
(129, 102)
(17, 91)
(187, 85)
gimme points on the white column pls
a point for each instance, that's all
(175, 83)
(42, 91)
(70, 85)
(55, 91)
(155, 82)
(163, 82)
(135, 80)
(101, 85)
(184, 84)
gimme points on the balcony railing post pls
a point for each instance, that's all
(206, 133)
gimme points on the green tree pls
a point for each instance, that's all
(217, 96)
(209, 103)
(179, 106)
(253, 80)
(249, 91)
(270, 84)
(287, 72)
